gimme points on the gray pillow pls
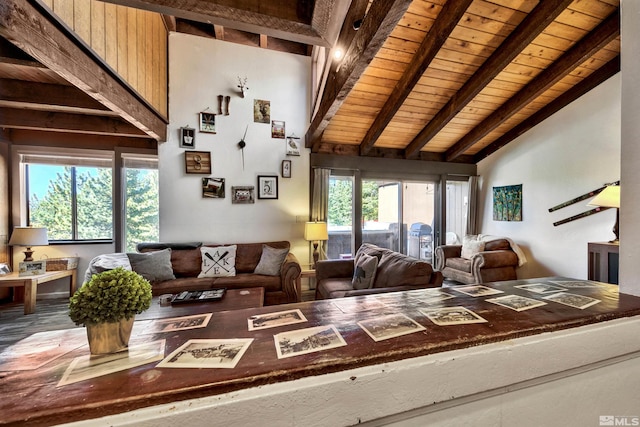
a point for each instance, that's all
(153, 266)
(271, 261)
(365, 272)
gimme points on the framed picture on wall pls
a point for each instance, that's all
(242, 194)
(293, 146)
(187, 137)
(286, 169)
(267, 186)
(213, 188)
(207, 122)
(197, 162)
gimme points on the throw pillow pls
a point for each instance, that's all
(365, 272)
(471, 246)
(219, 261)
(153, 266)
(271, 260)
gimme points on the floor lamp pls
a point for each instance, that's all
(315, 231)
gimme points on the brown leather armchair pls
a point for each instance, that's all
(497, 262)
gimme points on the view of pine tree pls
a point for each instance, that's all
(95, 206)
(54, 210)
(142, 203)
(341, 196)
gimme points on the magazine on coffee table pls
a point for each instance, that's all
(198, 296)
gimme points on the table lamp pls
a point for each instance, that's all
(609, 198)
(315, 231)
(29, 236)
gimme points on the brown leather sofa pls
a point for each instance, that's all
(395, 272)
(496, 262)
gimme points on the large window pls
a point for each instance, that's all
(75, 197)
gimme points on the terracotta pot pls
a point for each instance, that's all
(105, 338)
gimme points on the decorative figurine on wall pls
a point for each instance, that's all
(242, 85)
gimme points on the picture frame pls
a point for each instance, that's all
(277, 129)
(207, 122)
(242, 194)
(4, 269)
(293, 146)
(213, 188)
(268, 187)
(261, 111)
(286, 169)
(197, 162)
(32, 268)
(187, 137)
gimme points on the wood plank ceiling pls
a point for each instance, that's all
(424, 79)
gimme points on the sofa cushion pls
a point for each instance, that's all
(218, 262)
(365, 271)
(497, 245)
(153, 266)
(334, 287)
(461, 264)
(249, 280)
(396, 269)
(471, 246)
(271, 261)
(182, 284)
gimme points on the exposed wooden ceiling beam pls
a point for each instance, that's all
(32, 30)
(219, 13)
(67, 122)
(529, 29)
(76, 140)
(608, 30)
(219, 32)
(379, 22)
(447, 20)
(49, 96)
(599, 76)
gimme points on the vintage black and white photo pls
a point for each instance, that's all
(572, 300)
(477, 290)
(273, 320)
(187, 137)
(575, 284)
(452, 316)
(390, 326)
(309, 340)
(178, 323)
(516, 302)
(356, 305)
(207, 353)
(540, 288)
(434, 296)
(91, 366)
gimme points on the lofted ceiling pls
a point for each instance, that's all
(424, 79)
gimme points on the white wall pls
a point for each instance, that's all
(200, 69)
(571, 153)
(630, 190)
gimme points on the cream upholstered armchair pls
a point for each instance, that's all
(480, 259)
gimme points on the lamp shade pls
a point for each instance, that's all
(315, 230)
(607, 198)
(29, 236)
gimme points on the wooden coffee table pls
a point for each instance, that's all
(234, 299)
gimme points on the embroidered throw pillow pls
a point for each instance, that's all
(471, 246)
(364, 272)
(271, 261)
(153, 266)
(219, 261)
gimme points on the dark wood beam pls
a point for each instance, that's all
(220, 13)
(537, 20)
(76, 140)
(599, 76)
(31, 29)
(379, 22)
(386, 153)
(67, 122)
(49, 97)
(608, 30)
(447, 20)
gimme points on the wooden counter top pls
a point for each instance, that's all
(32, 395)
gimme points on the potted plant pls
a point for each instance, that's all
(107, 305)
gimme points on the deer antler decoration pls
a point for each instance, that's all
(242, 85)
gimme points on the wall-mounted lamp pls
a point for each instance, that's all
(357, 24)
(338, 53)
(610, 198)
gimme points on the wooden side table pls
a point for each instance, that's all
(31, 283)
(306, 274)
(603, 261)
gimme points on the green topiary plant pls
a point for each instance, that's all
(110, 296)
